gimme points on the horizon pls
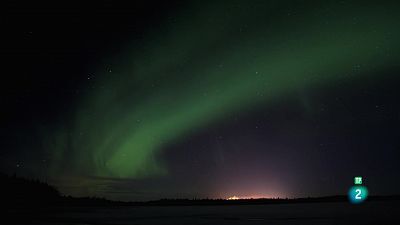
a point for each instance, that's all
(231, 198)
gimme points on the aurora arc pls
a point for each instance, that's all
(206, 65)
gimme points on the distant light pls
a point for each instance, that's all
(233, 198)
(247, 197)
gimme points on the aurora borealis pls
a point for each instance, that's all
(209, 99)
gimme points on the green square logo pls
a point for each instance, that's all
(357, 180)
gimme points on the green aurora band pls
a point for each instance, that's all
(211, 61)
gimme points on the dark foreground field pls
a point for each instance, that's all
(335, 213)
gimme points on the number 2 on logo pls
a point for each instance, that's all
(358, 195)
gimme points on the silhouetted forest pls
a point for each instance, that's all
(34, 202)
(24, 193)
(19, 191)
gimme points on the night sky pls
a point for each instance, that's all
(201, 99)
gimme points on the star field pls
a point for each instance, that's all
(204, 99)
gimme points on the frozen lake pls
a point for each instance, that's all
(301, 213)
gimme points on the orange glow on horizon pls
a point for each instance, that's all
(233, 198)
(246, 197)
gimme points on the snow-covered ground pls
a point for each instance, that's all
(281, 214)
